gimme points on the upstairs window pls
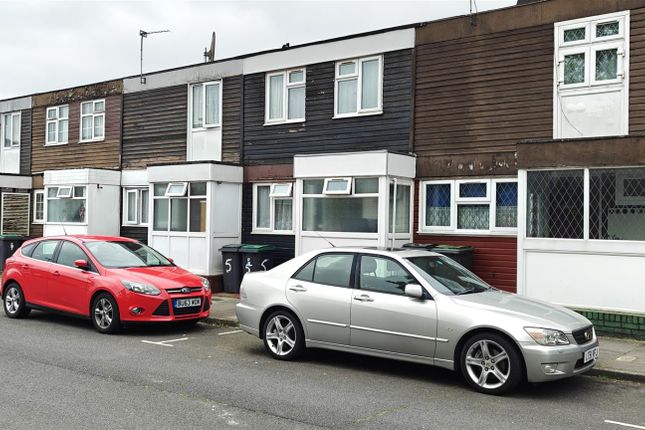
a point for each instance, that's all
(92, 120)
(10, 128)
(285, 96)
(273, 207)
(57, 125)
(206, 100)
(359, 86)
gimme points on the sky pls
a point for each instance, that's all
(53, 44)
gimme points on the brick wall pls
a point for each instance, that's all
(616, 324)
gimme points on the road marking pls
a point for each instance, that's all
(230, 332)
(165, 342)
(634, 426)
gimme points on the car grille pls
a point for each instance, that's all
(187, 311)
(178, 290)
(162, 310)
(583, 335)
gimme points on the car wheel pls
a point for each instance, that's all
(283, 335)
(105, 314)
(491, 364)
(14, 302)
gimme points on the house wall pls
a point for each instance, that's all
(25, 142)
(232, 119)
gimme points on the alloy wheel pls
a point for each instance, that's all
(12, 300)
(280, 335)
(103, 313)
(488, 364)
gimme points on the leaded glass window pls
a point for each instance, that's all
(473, 217)
(574, 68)
(574, 34)
(506, 205)
(607, 29)
(438, 205)
(606, 64)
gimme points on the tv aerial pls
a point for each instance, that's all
(143, 35)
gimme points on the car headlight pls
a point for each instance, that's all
(547, 336)
(206, 284)
(141, 288)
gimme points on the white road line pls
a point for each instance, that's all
(634, 426)
(230, 332)
(164, 342)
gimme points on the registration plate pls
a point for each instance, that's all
(187, 303)
(591, 354)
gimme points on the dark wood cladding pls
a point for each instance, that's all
(231, 119)
(75, 154)
(637, 71)
(36, 230)
(276, 144)
(136, 233)
(285, 243)
(15, 213)
(154, 126)
(476, 97)
(25, 142)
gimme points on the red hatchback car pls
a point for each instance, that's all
(111, 280)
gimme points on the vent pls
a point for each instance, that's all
(163, 310)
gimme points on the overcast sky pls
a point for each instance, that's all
(47, 45)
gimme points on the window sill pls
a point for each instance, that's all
(294, 121)
(206, 127)
(135, 225)
(92, 140)
(274, 232)
(467, 233)
(56, 144)
(64, 223)
(38, 222)
(359, 114)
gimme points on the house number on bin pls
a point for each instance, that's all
(228, 265)
(248, 267)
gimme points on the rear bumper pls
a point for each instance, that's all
(249, 318)
(564, 361)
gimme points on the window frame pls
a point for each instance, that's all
(56, 121)
(272, 199)
(72, 197)
(35, 219)
(286, 86)
(358, 75)
(357, 282)
(205, 125)
(93, 115)
(188, 197)
(346, 191)
(167, 193)
(126, 206)
(13, 142)
(352, 276)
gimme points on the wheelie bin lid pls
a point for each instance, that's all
(257, 249)
(452, 249)
(233, 247)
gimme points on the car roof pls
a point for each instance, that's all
(89, 238)
(391, 252)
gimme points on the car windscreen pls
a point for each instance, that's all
(120, 255)
(448, 277)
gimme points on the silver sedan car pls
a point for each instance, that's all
(417, 306)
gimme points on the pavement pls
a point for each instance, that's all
(620, 358)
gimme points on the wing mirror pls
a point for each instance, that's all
(81, 264)
(414, 291)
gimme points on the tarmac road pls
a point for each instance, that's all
(57, 372)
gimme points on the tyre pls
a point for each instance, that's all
(14, 301)
(105, 314)
(491, 364)
(283, 335)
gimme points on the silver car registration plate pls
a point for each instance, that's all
(591, 354)
(187, 303)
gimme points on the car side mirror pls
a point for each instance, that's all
(81, 264)
(414, 291)
(171, 260)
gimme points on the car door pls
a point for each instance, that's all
(69, 287)
(36, 269)
(321, 293)
(383, 317)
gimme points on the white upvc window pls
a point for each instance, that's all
(468, 206)
(206, 105)
(135, 206)
(285, 96)
(10, 128)
(66, 204)
(93, 120)
(184, 209)
(273, 208)
(337, 186)
(176, 189)
(358, 88)
(57, 125)
(39, 207)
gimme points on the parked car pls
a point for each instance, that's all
(110, 280)
(417, 306)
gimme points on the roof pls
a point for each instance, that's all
(90, 238)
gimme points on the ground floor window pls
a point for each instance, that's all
(402, 213)
(273, 207)
(135, 206)
(180, 207)
(39, 206)
(66, 203)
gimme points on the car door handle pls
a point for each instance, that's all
(56, 273)
(363, 298)
(298, 288)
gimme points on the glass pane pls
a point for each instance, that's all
(177, 189)
(281, 190)
(607, 29)
(79, 191)
(402, 223)
(63, 112)
(145, 195)
(296, 103)
(86, 130)
(160, 189)
(40, 206)
(198, 115)
(574, 34)
(347, 68)
(198, 215)
(313, 186)
(51, 113)
(555, 204)
(606, 64)
(99, 107)
(44, 251)
(347, 96)
(198, 189)
(306, 273)
(369, 92)
(212, 104)
(617, 204)
(160, 217)
(473, 217)
(52, 191)
(86, 108)
(178, 214)
(337, 185)
(342, 214)
(51, 132)
(98, 127)
(66, 210)
(276, 94)
(282, 214)
(506, 204)
(132, 206)
(334, 269)
(69, 253)
(16, 130)
(365, 185)
(7, 131)
(62, 130)
(472, 190)
(574, 68)
(383, 275)
(296, 76)
(437, 205)
(263, 209)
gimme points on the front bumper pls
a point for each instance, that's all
(564, 361)
(141, 308)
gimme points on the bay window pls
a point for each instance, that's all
(66, 204)
(57, 125)
(358, 86)
(206, 100)
(92, 120)
(273, 208)
(285, 96)
(179, 207)
(135, 206)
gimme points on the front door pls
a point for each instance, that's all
(69, 286)
(321, 293)
(383, 317)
